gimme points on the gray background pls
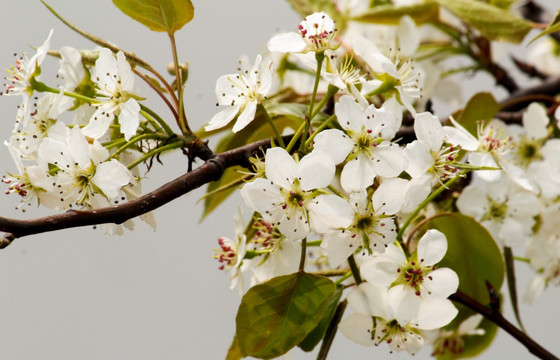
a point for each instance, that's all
(77, 294)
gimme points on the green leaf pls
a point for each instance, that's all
(315, 336)
(472, 253)
(276, 316)
(158, 15)
(234, 353)
(490, 21)
(389, 14)
(553, 27)
(482, 106)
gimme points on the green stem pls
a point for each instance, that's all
(133, 141)
(342, 278)
(519, 258)
(331, 91)
(150, 114)
(274, 128)
(432, 196)
(183, 123)
(314, 243)
(154, 152)
(295, 138)
(319, 57)
(42, 87)
(323, 125)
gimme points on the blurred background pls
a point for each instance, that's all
(79, 294)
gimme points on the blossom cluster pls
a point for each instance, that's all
(76, 163)
(352, 188)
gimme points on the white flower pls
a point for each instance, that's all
(488, 149)
(26, 70)
(416, 279)
(83, 169)
(366, 145)
(32, 183)
(241, 93)
(42, 123)
(315, 33)
(284, 196)
(117, 93)
(428, 156)
(230, 254)
(507, 211)
(359, 223)
(393, 73)
(453, 342)
(377, 318)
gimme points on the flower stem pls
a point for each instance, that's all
(303, 254)
(271, 122)
(154, 153)
(182, 121)
(330, 93)
(323, 125)
(147, 111)
(320, 56)
(295, 138)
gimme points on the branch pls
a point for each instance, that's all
(493, 314)
(211, 170)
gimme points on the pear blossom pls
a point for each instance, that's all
(71, 68)
(394, 74)
(230, 253)
(505, 210)
(241, 93)
(428, 156)
(366, 145)
(26, 71)
(32, 183)
(83, 169)
(359, 223)
(377, 318)
(42, 123)
(488, 149)
(415, 279)
(454, 341)
(316, 33)
(285, 195)
(117, 94)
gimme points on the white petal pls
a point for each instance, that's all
(287, 42)
(222, 118)
(330, 212)
(358, 328)
(458, 135)
(535, 121)
(246, 116)
(260, 195)
(432, 247)
(389, 161)
(129, 118)
(357, 174)
(334, 143)
(110, 177)
(78, 144)
(339, 246)
(434, 314)
(408, 35)
(419, 157)
(280, 167)
(440, 283)
(99, 122)
(350, 115)
(428, 129)
(388, 198)
(316, 170)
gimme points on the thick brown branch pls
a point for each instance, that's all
(211, 170)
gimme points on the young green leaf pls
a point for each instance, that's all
(482, 106)
(158, 15)
(553, 27)
(491, 21)
(277, 315)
